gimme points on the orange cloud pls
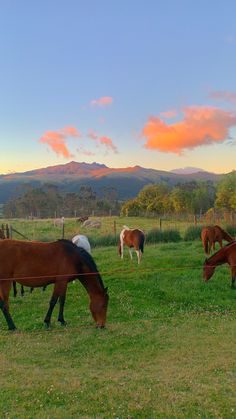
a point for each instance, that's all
(56, 140)
(223, 96)
(102, 101)
(200, 126)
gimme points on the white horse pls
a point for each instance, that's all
(82, 241)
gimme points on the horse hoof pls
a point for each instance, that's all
(64, 323)
(12, 328)
(100, 326)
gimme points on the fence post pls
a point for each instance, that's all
(160, 223)
(8, 232)
(115, 228)
(195, 219)
(63, 229)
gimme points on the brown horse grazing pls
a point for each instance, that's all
(133, 238)
(226, 254)
(36, 264)
(212, 234)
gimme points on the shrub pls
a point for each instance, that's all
(156, 236)
(193, 233)
(105, 240)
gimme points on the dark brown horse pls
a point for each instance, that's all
(226, 254)
(133, 238)
(36, 264)
(212, 234)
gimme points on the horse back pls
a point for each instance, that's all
(134, 238)
(35, 262)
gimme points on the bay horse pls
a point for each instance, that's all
(36, 264)
(212, 234)
(226, 254)
(133, 238)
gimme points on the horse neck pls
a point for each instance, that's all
(218, 258)
(92, 282)
(226, 236)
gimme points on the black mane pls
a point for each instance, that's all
(71, 248)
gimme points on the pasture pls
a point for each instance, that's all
(168, 349)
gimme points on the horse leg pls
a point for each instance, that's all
(62, 300)
(130, 253)
(139, 254)
(14, 288)
(22, 291)
(59, 287)
(233, 277)
(4, 303)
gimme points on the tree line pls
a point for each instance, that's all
(48, 202)
(196, 197)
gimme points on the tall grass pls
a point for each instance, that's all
(193, 233)
(157, 236)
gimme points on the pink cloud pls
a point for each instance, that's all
(56, 140)
(223, 96)
(102, 101)
(84, 151)
(200, 126)
(92, 134)
(71, 132)
(108, 143)
(168, 114)
(102, 140)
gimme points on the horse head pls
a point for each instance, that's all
(98, 308)
(208, 270)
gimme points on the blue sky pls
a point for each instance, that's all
(167, 69)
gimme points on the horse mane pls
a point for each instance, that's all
(224, 233)
(220, 250)
(71, 247)
(126, 227)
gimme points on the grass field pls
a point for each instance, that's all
(168, 350)
(44, 230)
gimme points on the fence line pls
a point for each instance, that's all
(123, 271)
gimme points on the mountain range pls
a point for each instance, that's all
(71, 176)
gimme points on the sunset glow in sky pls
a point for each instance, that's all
(124, 83)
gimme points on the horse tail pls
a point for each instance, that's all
(141, 245)
(119, 247)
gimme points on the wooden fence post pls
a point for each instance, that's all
(160, 223)
(115, 228)
(63, 229)
(7, 232)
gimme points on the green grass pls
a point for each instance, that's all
(167, 352)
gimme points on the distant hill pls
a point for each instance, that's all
(69, 177)
(188, 170)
